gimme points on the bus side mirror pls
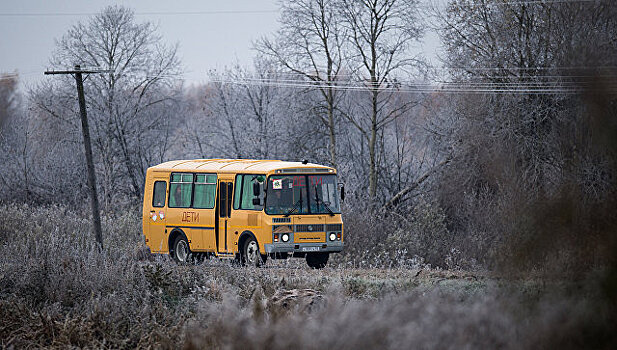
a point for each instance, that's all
(256, 189)
(342, 193)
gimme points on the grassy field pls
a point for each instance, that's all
(58, 290)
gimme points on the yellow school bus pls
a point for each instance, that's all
(244, 209)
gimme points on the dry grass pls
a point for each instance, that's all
(57, 290)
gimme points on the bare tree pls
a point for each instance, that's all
(8, 96)
(239, 114)
(537, 48)
(35, 152)
(244, 112)
(310, 44)
(124, 105)
(224, 110)
(14, 146)
(516, 150)
(381, 33)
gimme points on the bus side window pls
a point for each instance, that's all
(248, 195)
(205, 191)
(158, 196)
(181, 190)
(243, 197)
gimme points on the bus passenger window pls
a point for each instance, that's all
(205, 191)
(243, 197)
(180, 190)
(247, 193)
(238, 190)
(158, 197)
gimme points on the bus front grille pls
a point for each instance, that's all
(309, 228)
(334, 227)
(280, 220)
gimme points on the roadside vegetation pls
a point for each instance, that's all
(58, 290)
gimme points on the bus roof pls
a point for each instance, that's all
(240, 165)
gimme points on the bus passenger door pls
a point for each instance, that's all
(157, 214)
(223, 212)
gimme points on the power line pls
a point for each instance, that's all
(525, 2)
(427, 87)
(352, 79)
(563, 80)
(532, 79)
(528, 68)
(152, 13)
(578, 69)
(540, 2)
(222, 12)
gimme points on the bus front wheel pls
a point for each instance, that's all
(250, 253)
(317, 260)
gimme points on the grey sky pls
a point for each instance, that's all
(207, 41)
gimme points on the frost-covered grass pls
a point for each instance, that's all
(57, 290)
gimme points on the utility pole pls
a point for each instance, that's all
(94, 200)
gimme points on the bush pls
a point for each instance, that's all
(419, 237)
(58, 290)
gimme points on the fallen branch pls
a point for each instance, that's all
(394, 201)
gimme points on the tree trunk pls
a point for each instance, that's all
(331, 127)
(372, 185)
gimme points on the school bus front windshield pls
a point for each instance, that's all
(302, 194)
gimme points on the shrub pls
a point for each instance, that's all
(58, 290)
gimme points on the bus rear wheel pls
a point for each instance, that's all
(317, 260)
(250, 253)
(181, 252)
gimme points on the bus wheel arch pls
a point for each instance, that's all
(247, 243)
(177, 237)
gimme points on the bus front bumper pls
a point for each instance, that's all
(329, 247)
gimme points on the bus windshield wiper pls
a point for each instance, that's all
(325, 205)
(295, 207)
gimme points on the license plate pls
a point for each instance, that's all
(310, 249)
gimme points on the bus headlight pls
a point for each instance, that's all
(285, 237)
(332, 236)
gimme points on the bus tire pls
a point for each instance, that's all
(317, 260)
(181, 252)
(250, 253)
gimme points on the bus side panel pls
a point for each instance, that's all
(184, 218)
(263, 233)
(207, 232)
(146, 207)
(247, 220)
(237, 225)
(199, 227)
